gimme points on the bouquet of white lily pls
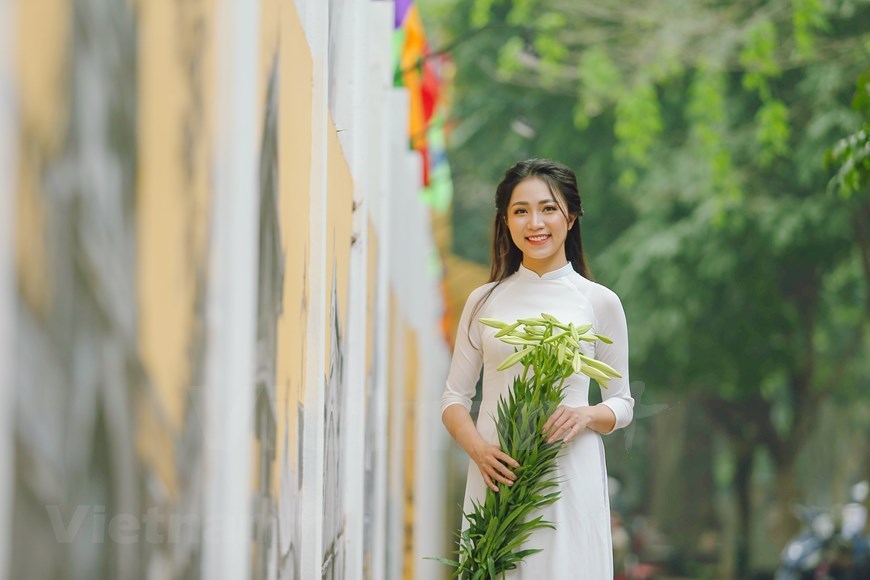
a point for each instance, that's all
(549, 352)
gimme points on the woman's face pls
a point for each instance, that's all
(536, 219)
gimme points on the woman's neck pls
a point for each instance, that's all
(541, 267)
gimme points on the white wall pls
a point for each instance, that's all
(371, 118)
(413, 261)
(350, 101)
(9, 124)
(315, 19)
(352, 83)
(232, 299)
(377, 179)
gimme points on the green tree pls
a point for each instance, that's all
(851, 155)
(698, 130)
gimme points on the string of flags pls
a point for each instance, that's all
(421, 73)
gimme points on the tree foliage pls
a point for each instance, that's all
(699, 131)
(851, 155)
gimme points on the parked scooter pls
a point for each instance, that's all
(829, 547)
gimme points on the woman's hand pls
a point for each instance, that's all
(567, 422)
(493, 464)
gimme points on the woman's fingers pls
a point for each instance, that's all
(503, 470)
(491, 476)
(557, 414)
(559, 427)
(502, 478)
(555, 436)
(493, 465)
(572, 432)
(560, 432)
(565, 422)
(505, 458)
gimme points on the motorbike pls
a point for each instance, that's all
(832, 544)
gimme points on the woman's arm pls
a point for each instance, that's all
(456, 401)
(492, 461)
(617, 407)
(611, 323)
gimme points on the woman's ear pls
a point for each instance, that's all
(571, 221)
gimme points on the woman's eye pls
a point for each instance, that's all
(550, 208)
(519, 211)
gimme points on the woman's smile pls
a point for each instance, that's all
(538, 239)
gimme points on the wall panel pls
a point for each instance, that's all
(219, 346)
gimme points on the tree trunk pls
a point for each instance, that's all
(744, 454)
(683, 468)
(741, 423)
(785, 524)
(860, 219)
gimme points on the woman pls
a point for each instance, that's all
(539, 266)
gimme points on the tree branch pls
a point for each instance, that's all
(841, 366)
(860, 219)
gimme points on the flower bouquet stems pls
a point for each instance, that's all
(549, 352)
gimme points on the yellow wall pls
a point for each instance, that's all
(175, 142)
(294, 158)
(154, 332)
(43, 52)
(173, 190)
(371, 295)
(462, 276)
(411, 386)
(403, 384)
(339, 227)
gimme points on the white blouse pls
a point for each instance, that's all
(525, 294)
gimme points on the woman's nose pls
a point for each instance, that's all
(537, 220)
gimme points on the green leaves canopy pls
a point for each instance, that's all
(699, 132)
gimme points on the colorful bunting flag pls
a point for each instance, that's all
(416, 71)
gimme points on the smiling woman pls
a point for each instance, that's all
(538, 223)
(522, 183)
(539, 266)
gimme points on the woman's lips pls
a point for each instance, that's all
(538, 240)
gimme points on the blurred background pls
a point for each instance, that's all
(722, 155)
(236, 237)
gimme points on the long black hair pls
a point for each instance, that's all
(506, 256)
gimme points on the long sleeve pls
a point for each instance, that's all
(611, 323)
(467, 358)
